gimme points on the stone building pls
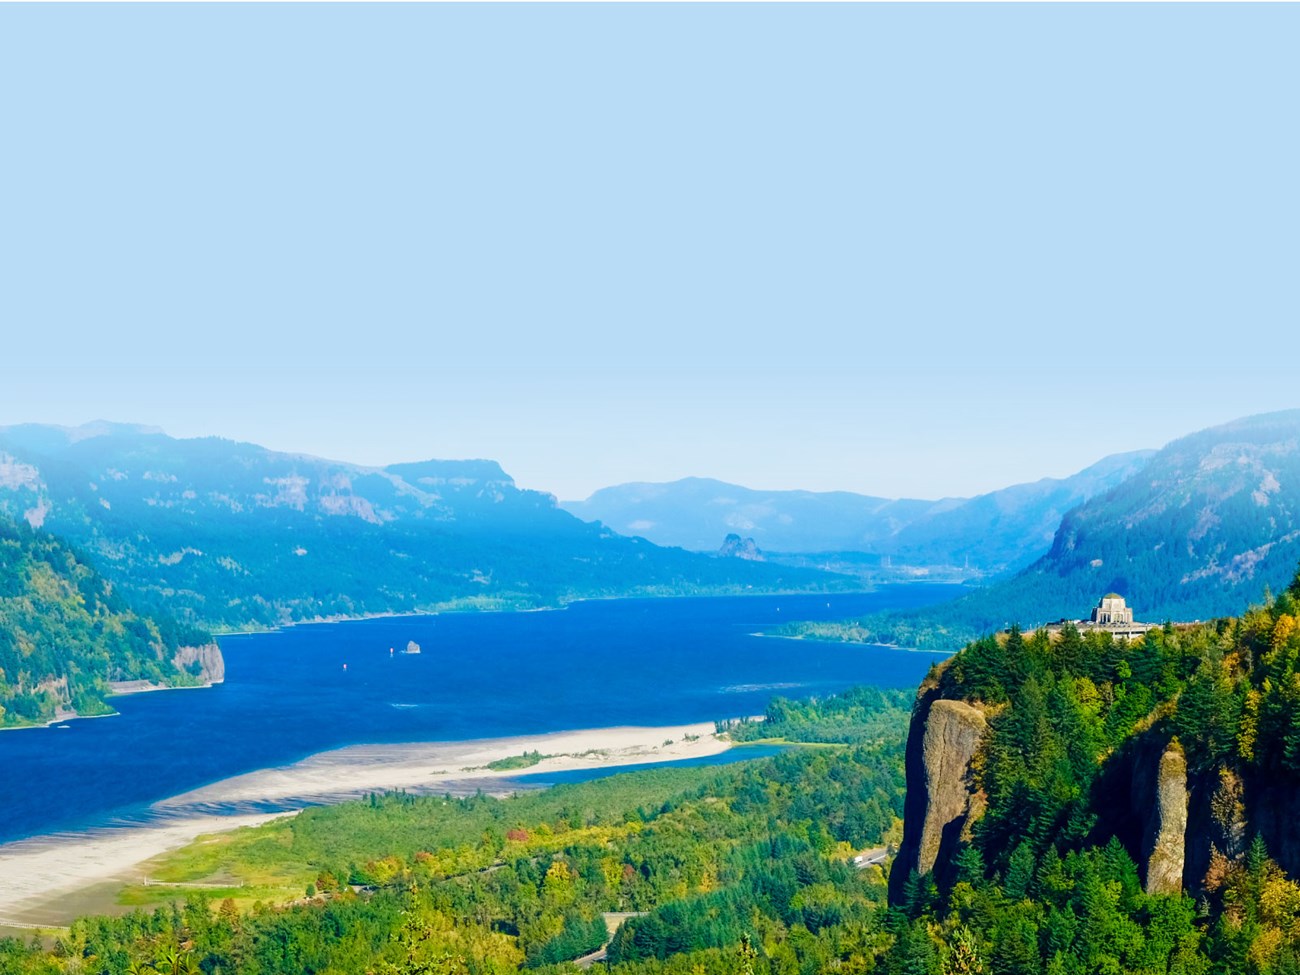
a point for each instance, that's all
(1112, 611)
(1113, 615)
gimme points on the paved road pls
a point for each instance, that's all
(613, 920)
(874, 856)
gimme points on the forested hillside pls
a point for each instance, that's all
(234, 535)
(1066, 855)
(715, 871)
(1122, 807)
(65, 633)
(1210, 523)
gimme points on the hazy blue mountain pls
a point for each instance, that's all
(995, 532)
(1211, 521)
(234, 534)
(1208, 524)
(1006, 530)
(697, 513)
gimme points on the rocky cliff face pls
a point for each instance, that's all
(1164, 842)
(941, 800)
(205, 662)
(1181, 826)
(735, 547)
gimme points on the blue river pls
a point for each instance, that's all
(305, 689)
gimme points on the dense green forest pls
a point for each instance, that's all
(1050, 880)
(861, 715)
(65, 633)
(749, 865)
(749, 868)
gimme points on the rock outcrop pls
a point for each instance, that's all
(735, 547)
(1182, 825)
(1164, 845)
(204, 662)
(942, 802)
(1147, 800)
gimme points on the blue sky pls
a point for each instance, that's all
(922, 250)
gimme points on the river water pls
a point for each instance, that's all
(291, 693)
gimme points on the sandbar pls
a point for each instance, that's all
(40, 874)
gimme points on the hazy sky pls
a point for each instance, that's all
(917, 250)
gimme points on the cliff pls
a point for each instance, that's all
(203, 662)
(1159, 799)
(1174, 825)
(942, 802)
(1179, 746)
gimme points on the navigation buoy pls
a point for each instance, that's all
(390, 651)
(345, 666)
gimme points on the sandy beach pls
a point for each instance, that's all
(40, 877)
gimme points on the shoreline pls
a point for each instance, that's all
(41, 872)
(112, 693)
(562, 605)
(846, 643)
(46, 725)
(122, 690)
(856, 643)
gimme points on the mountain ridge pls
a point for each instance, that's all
(234, 535)
(992, 533)
(1210, 524)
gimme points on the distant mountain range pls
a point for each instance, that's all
(993, 533)
(234, 535)
(231, 535)
(1208, 524)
